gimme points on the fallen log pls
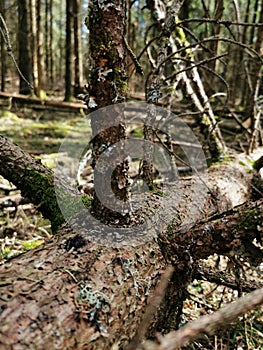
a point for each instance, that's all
(72, 293)
(13, 100)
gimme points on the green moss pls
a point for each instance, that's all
(39, 188)
(241, 163)
(42, 94)
(86, 201)
(138, 132)
(9, 115)
(4, 254)
(158, 192)
(27, 245)
(252, 163)
(249, 220)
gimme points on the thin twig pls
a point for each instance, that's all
(5, 34)
(223, 22)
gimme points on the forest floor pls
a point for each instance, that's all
(23, 228)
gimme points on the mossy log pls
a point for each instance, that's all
(35, 181)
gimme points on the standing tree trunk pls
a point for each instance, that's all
(248, 99)
(3, 49)
(60, 62)
(51, 43)
(214, 47)
(77, 48)
(33, 16)
(108, 87)
(25, 62)
(254, 110)
(39, 45)
(68, 51)
(47, 38)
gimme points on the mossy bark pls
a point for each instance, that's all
(35, 181)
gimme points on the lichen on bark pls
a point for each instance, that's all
(107, 87)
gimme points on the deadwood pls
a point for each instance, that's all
(74, 294)
(206, 324)
(12, 101)
(33, 179)
(229, 233)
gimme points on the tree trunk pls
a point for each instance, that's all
(108, 82)
(60, 62)
(34, 56)
(68, 51)
(214, 46)
(256, 76)
(35, 181)
(47, 40)
(3, 50)
(77, 48)
(39, 45)
(73, 294)
(25, 63)
(51, 51)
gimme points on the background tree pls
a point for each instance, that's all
(25, 58)
(3, 50)
(78, 68)
(68, 51)
(39, 45)
(34, 47)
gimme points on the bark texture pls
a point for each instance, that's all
(35, 181)
(73, 294)
(84, 298)
(108, 83)
(25, 64)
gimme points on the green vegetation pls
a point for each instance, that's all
(31, 244)
(35, 135)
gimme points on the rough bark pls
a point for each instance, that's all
(73, 294)
(108, 83)
(78, 77)
(229, 233)
(2, 47)
(68, 51)
(76, 295)
(35, 181)
(24, 63)
(45, 306)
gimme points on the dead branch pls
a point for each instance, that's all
(223, 278)
(206, 324)
(152, 308)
